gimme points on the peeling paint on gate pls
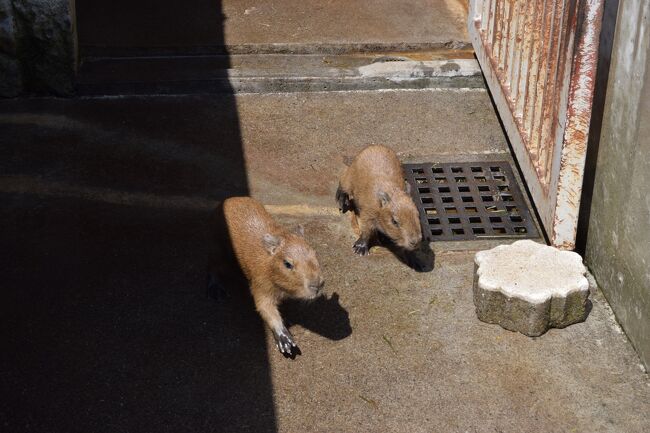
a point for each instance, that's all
(539, 60)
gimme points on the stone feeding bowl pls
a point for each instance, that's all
(529, 287)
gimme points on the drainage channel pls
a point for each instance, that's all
(469, 201)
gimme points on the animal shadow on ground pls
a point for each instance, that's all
(323, 316)
(422, 259)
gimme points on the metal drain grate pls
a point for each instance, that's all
(469, 200)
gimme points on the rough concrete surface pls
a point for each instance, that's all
(530, 287)
(11, 82)
(263, 73)
(45, 34)
(345, 21)
(289, 25)
(106, 325)
(618, 237)
(335, 126)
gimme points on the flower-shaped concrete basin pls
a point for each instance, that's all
(530, 287)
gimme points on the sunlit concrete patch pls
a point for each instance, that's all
(344, 21)
(417, 348)
(403, 69)
(315, 133)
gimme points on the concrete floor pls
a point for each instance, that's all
(106, 325)
(345, 21)
(298, 24)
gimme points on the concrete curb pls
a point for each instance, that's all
(272, 74)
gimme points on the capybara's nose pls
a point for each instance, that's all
(318, 285)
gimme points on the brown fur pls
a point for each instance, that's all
(373, 187)
(263, 249)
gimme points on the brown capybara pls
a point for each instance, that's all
(373, 187)
(277, 263)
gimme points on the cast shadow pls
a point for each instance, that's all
(323, 316)
(106, 208)
(421, 259)
(588, 307)
(605, 48)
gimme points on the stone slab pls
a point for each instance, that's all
(261, 73)
(529, 287)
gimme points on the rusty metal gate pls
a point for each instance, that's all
(539, 60)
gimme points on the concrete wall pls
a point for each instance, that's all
(618, 241)
(37, 47)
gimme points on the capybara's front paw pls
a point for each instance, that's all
(343, 200)
(285, 343)
(361, 247)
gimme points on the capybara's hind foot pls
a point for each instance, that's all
(343, 200)
(361, 247)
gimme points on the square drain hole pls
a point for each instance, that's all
(467, 201)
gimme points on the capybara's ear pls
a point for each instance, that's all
(299, 230)
(384, 198)
(271, 243)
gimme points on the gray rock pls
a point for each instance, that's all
(46, 44)
(5, 9)
(7, 28)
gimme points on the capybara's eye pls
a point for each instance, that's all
(395, 223)
(288, 265)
